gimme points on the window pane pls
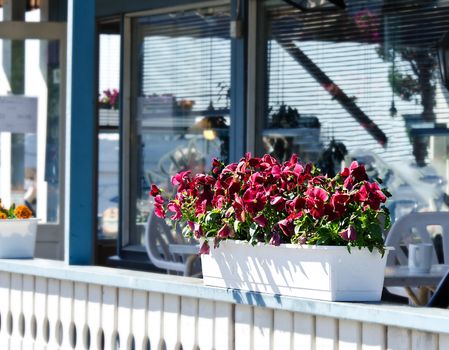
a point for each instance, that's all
(363, 83)
(108, 137)
(30, 146)
(181, 117)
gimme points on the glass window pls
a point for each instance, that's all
(362, 83)
(108, 126)
(180, 112)
(30, 126)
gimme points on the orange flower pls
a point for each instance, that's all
(22, 212)
(3, 215)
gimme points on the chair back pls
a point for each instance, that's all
(413, 227)
(158, 236)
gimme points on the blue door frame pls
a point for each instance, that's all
(81, 149)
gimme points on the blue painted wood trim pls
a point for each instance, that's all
(106, 8)
(80, 133)
(404, 316)
(238, 84)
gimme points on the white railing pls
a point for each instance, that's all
(46, 305)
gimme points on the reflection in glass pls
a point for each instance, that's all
(29, 155)
(363, 84)
(108, 125)
(181, 113)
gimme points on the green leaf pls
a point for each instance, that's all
(253, 229)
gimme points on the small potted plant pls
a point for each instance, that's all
(284, 228)
(17, 232)
(109, 99)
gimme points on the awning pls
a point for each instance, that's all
(31, 4)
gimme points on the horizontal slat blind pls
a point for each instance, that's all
(187, 55)
(337, 65)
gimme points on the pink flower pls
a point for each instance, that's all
(286, 226)
(154, 191)
(204, 248)
(176, 209)
(196, 229)
(254, 200)
(224, 232)
(316, 198)
(358, 172)
(159, 206)
(339, 202)
(278, 203)
(297, 204)
(275, 239)
(180, 178)
(200, 207)
(349, 234)
(345, 172)
(261, 220)
(371, 195)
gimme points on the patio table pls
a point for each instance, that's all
(184, 249)
(190, 251)
(401, 276)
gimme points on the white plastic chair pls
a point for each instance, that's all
(415, 227)
(158, 237)
(412, 228)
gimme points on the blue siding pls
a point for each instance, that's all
(81, 131)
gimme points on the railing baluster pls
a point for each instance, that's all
(443, 341)
(154, 324)
(16, 310)
(398, 338)
(53, 313)
(5, 289)
(304, 332)
(189, 323)
(244, 327)
(206, 313)
(40, 309)
(109, 317)
(172, 308)
(283, 329)
(373, 336)
(28, 312)
(80, 316)
(263, 327)
(139, 319)
(326, 333)
(124, 318)
(223, 326)
(66, 315)
(423, 340)
(94, 316)
(349, 335)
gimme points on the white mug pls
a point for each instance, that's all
(420, 257)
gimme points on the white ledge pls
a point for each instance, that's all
(424, 319)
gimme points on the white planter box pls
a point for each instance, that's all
(17, 238)
(315, 272)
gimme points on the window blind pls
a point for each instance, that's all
(186, 55)
(369, 73)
